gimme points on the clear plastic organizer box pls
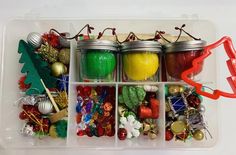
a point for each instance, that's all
(15, 30)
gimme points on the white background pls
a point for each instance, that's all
(222, 13)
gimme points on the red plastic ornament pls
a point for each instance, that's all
(22, 84)
(169, 135)
(52, 39)
(122, 133)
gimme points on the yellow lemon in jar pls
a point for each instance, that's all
(140, 66)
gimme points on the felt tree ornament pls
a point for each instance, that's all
(35, 68)
(231, 64)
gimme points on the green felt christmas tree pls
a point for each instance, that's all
(35, 68)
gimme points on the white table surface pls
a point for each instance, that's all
(222, 13)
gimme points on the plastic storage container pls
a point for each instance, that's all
(10, 136)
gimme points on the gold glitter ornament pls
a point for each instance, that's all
(64, 56)
(61, 99)
(48, 52)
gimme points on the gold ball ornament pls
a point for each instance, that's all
(198, 135)
(178, 127)
(64, 56)
(174, 89)
(52, 131)
(58, 69)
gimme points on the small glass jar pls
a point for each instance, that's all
(140, 61)
(179, 57)
(97, 60)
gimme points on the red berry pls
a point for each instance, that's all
(169, 135)
(80, 133)
(23, 115)
(122, 133)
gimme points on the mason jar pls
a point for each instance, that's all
(97, 60)
(140, 61)
(179, 56)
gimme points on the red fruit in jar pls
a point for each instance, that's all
(169, 135)
(177, 62)
(122, 133)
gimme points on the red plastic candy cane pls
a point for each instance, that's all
(231, 63)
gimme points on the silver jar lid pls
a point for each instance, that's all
(97, 44)
(152, 46)
(184, 46)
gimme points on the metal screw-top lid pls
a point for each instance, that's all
(184, 46)
(97, 44)
(152, 46)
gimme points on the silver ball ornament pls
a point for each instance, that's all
(202, 109)
(34, 39)
(45, 107)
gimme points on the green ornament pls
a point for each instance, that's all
(97, 63)
(61, 128)
(141, 93)
(133, 96)
(121, 99)
(35, 68)
(125, 94)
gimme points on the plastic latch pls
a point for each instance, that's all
(231, 63)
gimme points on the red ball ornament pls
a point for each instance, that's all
(122, 133)
(80, 133)
(23, 115)
(169, 135)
